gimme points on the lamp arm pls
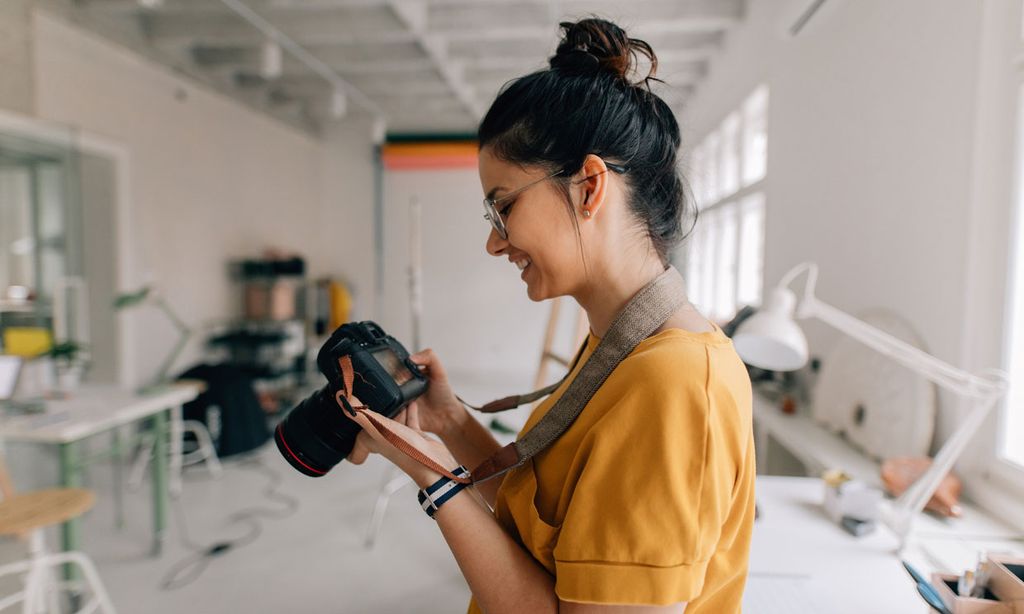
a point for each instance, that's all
(984, 391)
(914, 499)
(812, 277)
(919, 361)
(168, 363)
(173, 317)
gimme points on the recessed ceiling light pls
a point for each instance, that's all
(339, 103)
(271, 60)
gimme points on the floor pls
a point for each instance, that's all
(311, 560)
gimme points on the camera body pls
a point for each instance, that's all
(316, 434)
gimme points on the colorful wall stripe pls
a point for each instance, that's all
(429, 155)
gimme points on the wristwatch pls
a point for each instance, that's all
(437, 494)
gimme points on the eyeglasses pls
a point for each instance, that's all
(497, 218)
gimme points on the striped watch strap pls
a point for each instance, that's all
(434, 496)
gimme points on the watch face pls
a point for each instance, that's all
(391, 363)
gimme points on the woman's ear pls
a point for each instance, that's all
(594, 183)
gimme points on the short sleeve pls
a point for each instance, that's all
(650, 495)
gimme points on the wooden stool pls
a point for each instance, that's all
(30, 513)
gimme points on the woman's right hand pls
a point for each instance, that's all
(440, 412)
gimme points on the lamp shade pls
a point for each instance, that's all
(770, 339)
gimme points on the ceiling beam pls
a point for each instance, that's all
(414, 16)
(134, 39)
(563, 5)
(313, 30)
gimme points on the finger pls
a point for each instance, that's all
(413, 416)
(365, 424)
(428, 358)
(402, 417)
(359, 452)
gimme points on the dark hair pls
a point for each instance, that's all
(586, 103)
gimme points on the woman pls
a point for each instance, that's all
(646, 503)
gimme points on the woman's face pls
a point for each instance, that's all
(542, 243)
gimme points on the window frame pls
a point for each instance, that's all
(1006, 477)
(1004, 471)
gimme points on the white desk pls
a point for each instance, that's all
(95, 409)
(797, 549)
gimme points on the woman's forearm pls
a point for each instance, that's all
(471, 444)
(503, 577)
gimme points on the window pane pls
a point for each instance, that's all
(693, 268)
(751, 263)
(1012, 445)
(696, 177)
(708, 245)
(755, 136)
(729, 177)
(725, 269)
(712, 157)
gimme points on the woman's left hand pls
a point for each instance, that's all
(407, 425)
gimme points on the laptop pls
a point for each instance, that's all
(10, 368)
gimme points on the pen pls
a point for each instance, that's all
(927, 591)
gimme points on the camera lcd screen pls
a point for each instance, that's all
(389, 360)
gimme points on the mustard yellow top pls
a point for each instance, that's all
(648, 498)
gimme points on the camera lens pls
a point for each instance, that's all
(316, 435)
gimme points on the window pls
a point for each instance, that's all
(755, 136)
(749, 273)
(1011, 444)
(725, 254)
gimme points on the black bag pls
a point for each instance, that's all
(240, 425)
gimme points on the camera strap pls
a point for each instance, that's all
(643, 314)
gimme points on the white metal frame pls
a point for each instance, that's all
(206, 453)
(41, 593)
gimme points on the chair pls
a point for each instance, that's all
(205, 453)
(28, 514)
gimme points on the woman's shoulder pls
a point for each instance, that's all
(673, 367)
(673, 349)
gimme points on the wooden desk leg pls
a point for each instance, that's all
(159, 460)
(70, 477)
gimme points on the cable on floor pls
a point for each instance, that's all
(190, 568)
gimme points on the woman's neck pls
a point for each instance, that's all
(609, 289)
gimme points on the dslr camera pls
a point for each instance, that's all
(316, 435)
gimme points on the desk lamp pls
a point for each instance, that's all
(770, 339)
(148, 296)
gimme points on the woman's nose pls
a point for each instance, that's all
(495, 244)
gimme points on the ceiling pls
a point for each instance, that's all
(424, 66)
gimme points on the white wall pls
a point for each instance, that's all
(211, 181)
(873, 139)
(16, 89)
(476, 314)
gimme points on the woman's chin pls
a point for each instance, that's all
(535, 292)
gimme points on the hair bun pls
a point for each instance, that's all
(593, 46)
